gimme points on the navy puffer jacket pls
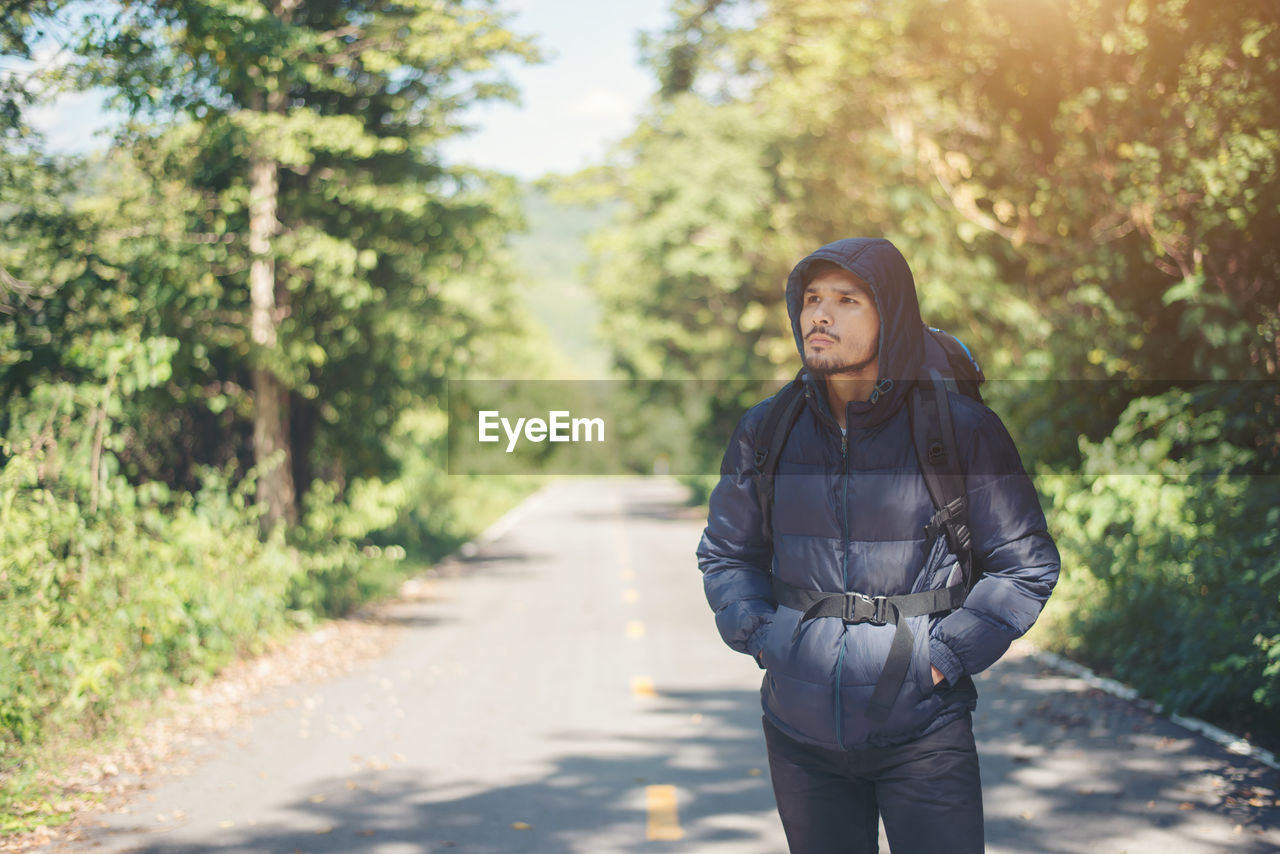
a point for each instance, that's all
(851, 518)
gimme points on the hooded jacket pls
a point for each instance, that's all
(850, 517)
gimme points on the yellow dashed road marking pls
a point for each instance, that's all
(630, 595)
(635, 629)
(664, 819)
(642, 686)
(620, 544)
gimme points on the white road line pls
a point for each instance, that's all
(1233, 743)
(510, 519)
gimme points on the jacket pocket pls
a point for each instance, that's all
(863, 669)
(922, 661)
(800, 677)
(777, 637)
(762, 634)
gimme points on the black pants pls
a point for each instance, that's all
(928, 792)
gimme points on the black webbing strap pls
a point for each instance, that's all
(782, 415)
(878, 611)
(935, 442)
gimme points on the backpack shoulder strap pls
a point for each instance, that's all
(782, 415)
(935, 441)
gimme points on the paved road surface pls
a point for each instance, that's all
(564, 690)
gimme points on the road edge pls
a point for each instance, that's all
(1233, 743)
(506, 522)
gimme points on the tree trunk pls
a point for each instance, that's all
(275, 486)
(271, 399)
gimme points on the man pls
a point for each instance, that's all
(850, 516)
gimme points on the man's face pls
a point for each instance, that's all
(840, 325)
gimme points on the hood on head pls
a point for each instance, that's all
(878, 263)
(901, 341)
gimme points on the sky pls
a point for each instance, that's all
(583, 98)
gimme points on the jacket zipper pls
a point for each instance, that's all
(844, 572)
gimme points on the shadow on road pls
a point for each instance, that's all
(1067, 767)
(648, 510)
(593, 794)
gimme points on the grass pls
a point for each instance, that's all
(46, 784)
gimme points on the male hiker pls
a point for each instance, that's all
(868, 607)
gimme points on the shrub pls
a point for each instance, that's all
(1170, 580)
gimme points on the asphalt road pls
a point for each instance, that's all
(564, 690)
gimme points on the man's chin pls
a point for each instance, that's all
(823, 368)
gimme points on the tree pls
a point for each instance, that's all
(315, 125)
(1086, 192)
(21, 25)
(273, 216)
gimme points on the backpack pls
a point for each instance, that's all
(950, 367)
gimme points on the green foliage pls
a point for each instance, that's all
(687, 272)
(148, 589)
(1171, 579)
(548, 257)
(1087, 195)
(22, 25)
(385, 260)
(131, 556)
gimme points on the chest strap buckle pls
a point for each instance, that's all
(860, 608)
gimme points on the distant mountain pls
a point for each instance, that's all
(552, 255)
